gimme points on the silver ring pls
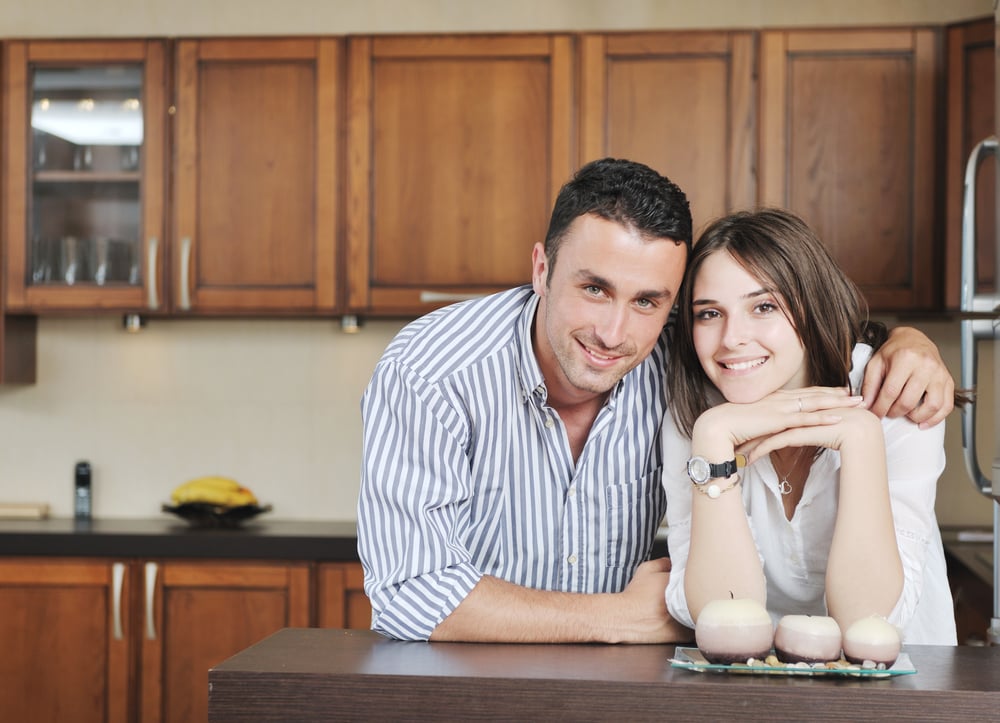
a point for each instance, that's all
(800, 403)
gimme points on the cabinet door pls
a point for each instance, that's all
(84, 145)
(65, 636)
(456, 148)
(679, 102)
(847, 142)
(341, 599)
(197, 614)
(257, 131)
(971, 97)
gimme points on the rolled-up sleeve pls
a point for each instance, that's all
(413, 505)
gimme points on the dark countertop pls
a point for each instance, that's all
(325, 674)
(167, 536)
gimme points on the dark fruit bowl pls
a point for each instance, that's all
(200, 514)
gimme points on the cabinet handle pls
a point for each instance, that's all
(185, 290)
(152, 296)
(434, 297)
(117, 582)
(151, 570)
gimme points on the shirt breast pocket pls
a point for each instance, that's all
(634, 511)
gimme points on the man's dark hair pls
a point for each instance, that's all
(626, 192)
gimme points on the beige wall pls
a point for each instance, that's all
(275, 403)
(268, 17)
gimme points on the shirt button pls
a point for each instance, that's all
(549, 422)
(571, 559)
(572, 491)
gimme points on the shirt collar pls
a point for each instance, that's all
(532, 381)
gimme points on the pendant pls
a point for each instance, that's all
(784, 487)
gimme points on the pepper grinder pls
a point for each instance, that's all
(82, 493)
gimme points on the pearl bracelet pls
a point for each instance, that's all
(713, 490)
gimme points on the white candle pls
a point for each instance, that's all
(807, 639)
(731, 631)
(872, 638)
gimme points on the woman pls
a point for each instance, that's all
(834, 512)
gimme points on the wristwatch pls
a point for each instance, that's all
(700, 470)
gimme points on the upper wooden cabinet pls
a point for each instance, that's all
(456, 147)
(682, 103)
(253, 211)
(971, 103)
(847, 140)
(84, 173)
(255, 180)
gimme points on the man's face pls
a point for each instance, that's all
(604, 307)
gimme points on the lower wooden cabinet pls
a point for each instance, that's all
(341, 599)
(133, 640)
(66, 640)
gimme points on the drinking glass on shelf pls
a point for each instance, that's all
(83, 158)
(41, 260)
(70, 258)
(130, 158)
(101, 260)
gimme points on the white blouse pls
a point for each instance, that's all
(794, 552)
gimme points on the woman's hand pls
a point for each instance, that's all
(746, 427)
(854, 425)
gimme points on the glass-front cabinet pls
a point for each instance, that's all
(85, 135)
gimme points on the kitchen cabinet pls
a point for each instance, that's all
(103, 640)
(341, 599)
(198, 613)
(84, 174)
(255, 177)
(252, 127)
(970, 112)
(456, 147)
(681, 102)
(847, 140)
(67, 636)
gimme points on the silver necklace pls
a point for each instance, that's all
(784, 486)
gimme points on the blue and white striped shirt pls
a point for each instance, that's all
(467, 471)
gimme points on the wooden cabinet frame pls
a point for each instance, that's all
(18, 56)
(315, 290)
(914, 260)
(366, 291)
(718, 169)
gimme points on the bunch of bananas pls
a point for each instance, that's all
(219, 491)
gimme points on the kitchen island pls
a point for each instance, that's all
(316, 675)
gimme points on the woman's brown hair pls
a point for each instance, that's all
(824, 306)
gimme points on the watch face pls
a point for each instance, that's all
(698, 470)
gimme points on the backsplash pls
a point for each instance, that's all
(274, 404)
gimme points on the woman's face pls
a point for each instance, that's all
(744, 341)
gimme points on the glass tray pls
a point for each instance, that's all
(692, 659)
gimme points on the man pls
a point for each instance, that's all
(511, 466)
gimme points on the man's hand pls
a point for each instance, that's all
(646, 607)
(907, 376)
(497, 611)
